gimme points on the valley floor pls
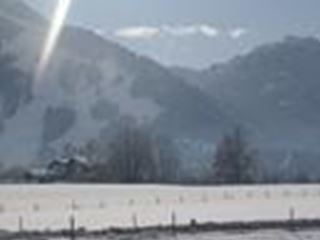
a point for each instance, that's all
(95, 207)
(245, 235)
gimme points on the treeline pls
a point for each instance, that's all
(133, 154)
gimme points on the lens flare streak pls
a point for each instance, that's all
(57, 23)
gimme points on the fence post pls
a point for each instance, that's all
(292, 214)
(267, 194)
(102, 205)
(20, 224)
(2, 209)
(173, 221)
(72, 228)
(74, 205)
(204, 198)
(135, 221)
(36, 207)
(131, 202)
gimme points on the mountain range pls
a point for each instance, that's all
(92, 83)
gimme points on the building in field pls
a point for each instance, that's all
(60, 170)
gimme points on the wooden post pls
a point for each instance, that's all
(131, 202)
(74, 205)
(20, 224)
(36, 207)
(72, 228)
(173, 221)
(225, 195)
(267, 194)
(292, 218)
(135, 221)
(2, 209)
(204, 198)
(102, 205)
(193, 223)
(292, 214)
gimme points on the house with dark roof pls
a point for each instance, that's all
(60, 170)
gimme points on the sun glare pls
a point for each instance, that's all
(57, 23)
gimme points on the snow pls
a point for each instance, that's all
(261, 235)
(251, 235)
(243, 235)
(95, 207)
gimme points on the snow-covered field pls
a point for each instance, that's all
(43, 207)
(251, 235)
(255, 235)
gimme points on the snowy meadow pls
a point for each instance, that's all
(96, 207)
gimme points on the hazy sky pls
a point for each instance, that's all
(193, 33)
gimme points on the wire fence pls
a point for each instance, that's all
(169, 208)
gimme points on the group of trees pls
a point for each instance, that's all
(137, 155)
(134, 154)
(235, 162)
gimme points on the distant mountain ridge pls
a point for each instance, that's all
(93, 83)
(90, 85)
(274, 92)
(274, 89)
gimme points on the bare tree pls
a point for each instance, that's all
(131, 156)
(138, 155)
(166, 159)
(235, 160)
